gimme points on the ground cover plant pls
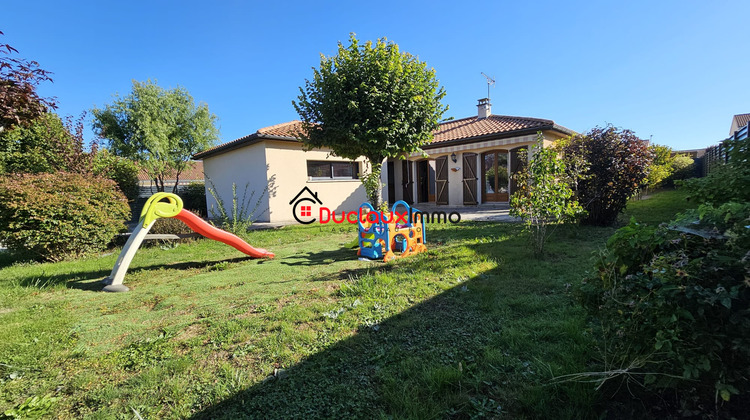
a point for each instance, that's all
(669, 306)
(468, 329)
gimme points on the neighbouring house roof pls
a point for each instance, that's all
(464, 130)
(741, 120)
(193, 172)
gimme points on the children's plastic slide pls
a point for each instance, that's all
(200, 226)
(172, 207)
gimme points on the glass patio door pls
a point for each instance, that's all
(495, 176)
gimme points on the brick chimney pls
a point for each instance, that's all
(485, 108)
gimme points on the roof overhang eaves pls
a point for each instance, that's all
(237, 144)
(564, 130)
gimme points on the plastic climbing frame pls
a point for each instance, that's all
(389, 235)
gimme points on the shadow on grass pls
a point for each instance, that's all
(407, 356)
(447, 357)
(91, 280)
(320, 257)
(8, 258)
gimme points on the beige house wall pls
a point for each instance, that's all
(280, 169)
(287, 175)
(243, 167)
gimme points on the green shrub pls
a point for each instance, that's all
(671, 307)
(171, 226)
(661, 166)
(610, 166)
(194, 198)
(683, 167)
(42, 145)
(243, 213)
(725, 183)
(58, 216)
(123, 171)
(544, 197)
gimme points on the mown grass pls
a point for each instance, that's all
(475, 327)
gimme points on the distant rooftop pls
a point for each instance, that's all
(193, 172)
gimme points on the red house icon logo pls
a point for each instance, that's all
(302, 206)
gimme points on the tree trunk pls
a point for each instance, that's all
(160, 183)
(176, 182)
(371, 181)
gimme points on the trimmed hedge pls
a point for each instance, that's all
(59, 216)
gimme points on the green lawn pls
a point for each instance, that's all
(475, 327)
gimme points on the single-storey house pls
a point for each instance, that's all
(469, 162)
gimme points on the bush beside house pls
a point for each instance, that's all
(609, 165)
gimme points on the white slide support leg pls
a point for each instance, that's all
(116, 278)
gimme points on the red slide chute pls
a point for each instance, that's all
(210, 232)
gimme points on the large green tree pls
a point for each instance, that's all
(159, 129)
(370, 100)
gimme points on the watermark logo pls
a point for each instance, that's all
(307, 208)
(304, 205)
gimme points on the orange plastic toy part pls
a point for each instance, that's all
(199, 225)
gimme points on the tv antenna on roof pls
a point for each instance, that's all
(490, 82)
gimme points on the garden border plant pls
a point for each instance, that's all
(59, 216)
(610, 165)
(240, 217)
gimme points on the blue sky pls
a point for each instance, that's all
(674, 70)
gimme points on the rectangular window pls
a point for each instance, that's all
(321, 170)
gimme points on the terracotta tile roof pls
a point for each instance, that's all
(284, 131)
(467, 128)
(742, 119)
(464, 129)
(194, 172)
(287, 129)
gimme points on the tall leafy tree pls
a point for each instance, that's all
(159, 129)
(19, 100)
(370, 100)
